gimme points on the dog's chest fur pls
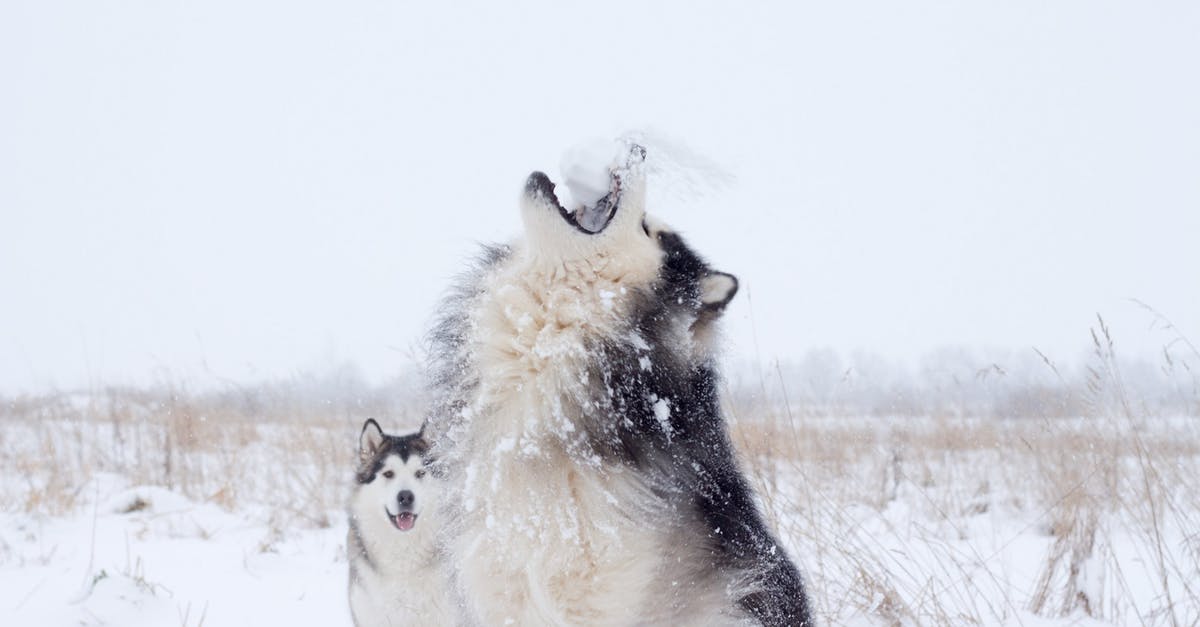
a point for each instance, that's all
(397, 579)
(552, 532)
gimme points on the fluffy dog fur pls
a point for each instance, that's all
(397, 575)
(577, 417)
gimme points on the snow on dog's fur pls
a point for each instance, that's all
(592, 477)
(396, 573)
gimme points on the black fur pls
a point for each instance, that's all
(402, 445)
(694, 458)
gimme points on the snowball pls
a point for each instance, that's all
(587, 170)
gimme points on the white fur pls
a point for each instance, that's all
(547, 534)
(406, 582)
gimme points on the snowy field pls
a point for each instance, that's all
(200, 199)
(163, 507)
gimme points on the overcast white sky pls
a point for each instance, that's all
(244, 189)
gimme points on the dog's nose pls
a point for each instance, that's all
(405, 497)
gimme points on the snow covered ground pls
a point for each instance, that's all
(142, 555)
(128, 509)
(956, 521)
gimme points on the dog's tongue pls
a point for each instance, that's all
(405, 521)
(595, 217)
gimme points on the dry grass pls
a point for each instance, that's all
(294, 460)
(891, 513)
(925, 516)
(952, 518)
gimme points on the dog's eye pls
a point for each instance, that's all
(645, 228)
(419, 474)
(387, 474)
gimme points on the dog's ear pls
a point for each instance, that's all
(716, 290)
(370, 440)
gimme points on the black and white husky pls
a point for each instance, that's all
(590, 475)
(396, 573)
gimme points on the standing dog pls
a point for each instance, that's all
(396, 573)
(577, 417)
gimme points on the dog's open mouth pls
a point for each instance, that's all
(590, 220)
(404, 521)
(596, 175)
